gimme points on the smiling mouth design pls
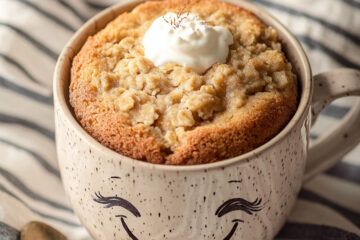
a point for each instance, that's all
(125, 226)
(236, 221)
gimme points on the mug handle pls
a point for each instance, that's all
(329, 149)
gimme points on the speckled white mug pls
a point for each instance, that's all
(246, 197)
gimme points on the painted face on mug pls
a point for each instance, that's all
(229, 205)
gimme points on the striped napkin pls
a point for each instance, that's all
(32, 34)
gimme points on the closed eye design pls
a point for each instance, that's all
(116, 201)
(238, 204)
(235, 204)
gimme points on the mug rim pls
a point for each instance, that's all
(65, 60)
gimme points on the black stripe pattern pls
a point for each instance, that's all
(44, 163)
(8, 119)
(37, 212)
(32, 40)
(352, 37)
(30, 193)
(314, 44)
(346, 171)
(10, 85)
(47, 14)
(314, 232)
(313, 197)
(96, 5)
(21, 68)
(73, 10)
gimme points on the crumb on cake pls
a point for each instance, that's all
(172, 114)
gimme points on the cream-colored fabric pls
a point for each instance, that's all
(33, 32)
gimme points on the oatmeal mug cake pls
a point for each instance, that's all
(173, 113)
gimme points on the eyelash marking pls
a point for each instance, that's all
(239, 204)
(116, 201)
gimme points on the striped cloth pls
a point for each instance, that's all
(32, 34)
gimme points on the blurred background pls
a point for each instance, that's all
(32, 34)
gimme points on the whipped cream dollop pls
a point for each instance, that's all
(187, 41)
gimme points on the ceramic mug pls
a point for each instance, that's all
(246, 197)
